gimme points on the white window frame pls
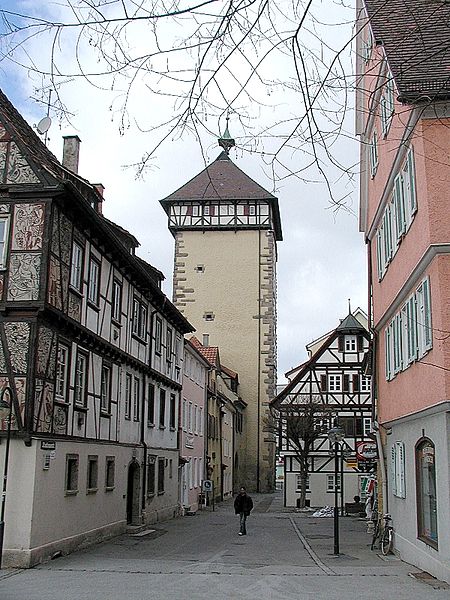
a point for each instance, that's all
(350, 343)
(200, 418)
(367, 426)
(364, 384)
(387, 105)
(334, 383)
(105, 388)
(4, 242)
(62, 372)
(117, 300)
(94, 280)
(80, 391)
(136, 398)
(373, 154)
(76, 266)
(299, 480)
(330, 482)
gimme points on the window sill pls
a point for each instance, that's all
(93, 305)
(138, 338)
(106, 414)
(80, 408)
(173, 429)
(116, 322)
(71, 492)
(162, 426)
(91, 490)
(151, 495)
(109, 489)
(150, 425)
(127, 418)
(161, 493)
(428, 542)
(61, 402)
(76, 291)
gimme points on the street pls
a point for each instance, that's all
(285, 555)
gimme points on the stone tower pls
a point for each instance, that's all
(226, 227)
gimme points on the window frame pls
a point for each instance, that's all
(151, 405)
(161, 475)
(158, 336)
(172, 412)
(105, 395)
(162, 408)
(128, 395)
(116, 301)
(76, 387)
(110, 473)
(4, 250)
(151, 476)
(136, 398)
(77, 270)
(63, 398)
(92, 459)
(93, 287)
(71, 478)
(421, 533)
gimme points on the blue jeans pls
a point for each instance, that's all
(243, 519)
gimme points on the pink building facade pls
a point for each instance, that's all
(193, 427)
(403, 120)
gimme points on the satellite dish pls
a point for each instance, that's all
(44, 125)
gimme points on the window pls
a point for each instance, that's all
(162, 408)
(76, 267)
(94, 281)
(151, 404)
(151, 475)
(177, 349)
(169, 345)
(62, 373)
(387, 105)
(128, 381)
(249, 209)
(208, 316)
(200, 421)
(208, 210)
(409, 335)
(365, 383)
(195, 428)
(299, 483)
(398, 470)
(172, 414)
(71, 483)
(80, 391)
(373, 155)
(426, 492)
(190, 418)
(330, 483)
(158, 336)
(367, 47)
(184, 416)
(139, 325)
(117, 301)
(334, 383)
(350, 343)
(92, 474)
(367, 426)
(193, 210)
(110, 473)
(4, 227)
(398, 215)
(105, 396)
(136, 398)
(161, 465)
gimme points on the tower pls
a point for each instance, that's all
(226, 227)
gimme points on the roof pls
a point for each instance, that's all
(210, 353)
(415, 35)
(350, 324)
(232, 374)
(223, 180)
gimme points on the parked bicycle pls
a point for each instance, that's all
(384, 532)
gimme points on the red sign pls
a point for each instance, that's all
(366, 450)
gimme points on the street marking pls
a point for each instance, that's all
(310, 551)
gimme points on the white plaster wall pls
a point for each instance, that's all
(404, 510)
(319, 496)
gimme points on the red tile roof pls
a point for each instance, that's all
(210, 353)
(415, 35)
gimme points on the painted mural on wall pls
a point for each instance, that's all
(46, 353)
(14, 167)
(18, 337)
(43, 406)
(24, 276)
(58, 284)
(28, 227)
(20, 386)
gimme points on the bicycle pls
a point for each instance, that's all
(385, 533)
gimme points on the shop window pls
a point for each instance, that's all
(426, 492)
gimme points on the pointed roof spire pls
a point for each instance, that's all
(349, 307)
(226, 141)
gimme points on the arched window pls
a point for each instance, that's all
(426, 492)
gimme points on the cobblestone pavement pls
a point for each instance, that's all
(286, 555)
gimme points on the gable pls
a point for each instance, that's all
(14, 166)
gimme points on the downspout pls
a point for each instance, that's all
(374, 385)
(259, 368)
(143, 442)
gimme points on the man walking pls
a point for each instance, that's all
(243, 505)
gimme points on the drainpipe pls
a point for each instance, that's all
(258, 451)
(374, 386)
(143, 442)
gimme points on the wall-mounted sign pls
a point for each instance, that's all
(366, 450)
(48, 445)
(207, 485)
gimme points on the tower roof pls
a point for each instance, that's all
(223, 180)
(350, 323)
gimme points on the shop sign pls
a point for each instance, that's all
(366, 450)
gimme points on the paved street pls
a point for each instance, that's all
(285, 555)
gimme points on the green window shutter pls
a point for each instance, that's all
(399, 204)
(387, 348)
(412, 182)
(428, 332)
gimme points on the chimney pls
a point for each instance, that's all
(71, 152)
(100, 189)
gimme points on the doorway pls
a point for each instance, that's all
(134, 475)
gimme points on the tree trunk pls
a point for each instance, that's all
(303, 479)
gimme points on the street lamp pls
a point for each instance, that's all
(5, 408)
(336, 435)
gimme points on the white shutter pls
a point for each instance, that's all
(399, 204)
(400, 470)
(387, 347)
(412, 182)
(393, 470)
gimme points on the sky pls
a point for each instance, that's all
(322, 258)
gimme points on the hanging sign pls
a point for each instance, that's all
(366, 450)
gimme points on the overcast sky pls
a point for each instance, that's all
(322, 258)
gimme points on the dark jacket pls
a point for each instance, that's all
(243, 504)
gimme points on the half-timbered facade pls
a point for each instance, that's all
(92, 351)
(226, 227)
(332, 378)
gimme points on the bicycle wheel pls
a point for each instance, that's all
(376, 533)
(387, 541)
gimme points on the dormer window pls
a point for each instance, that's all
(350, 343)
